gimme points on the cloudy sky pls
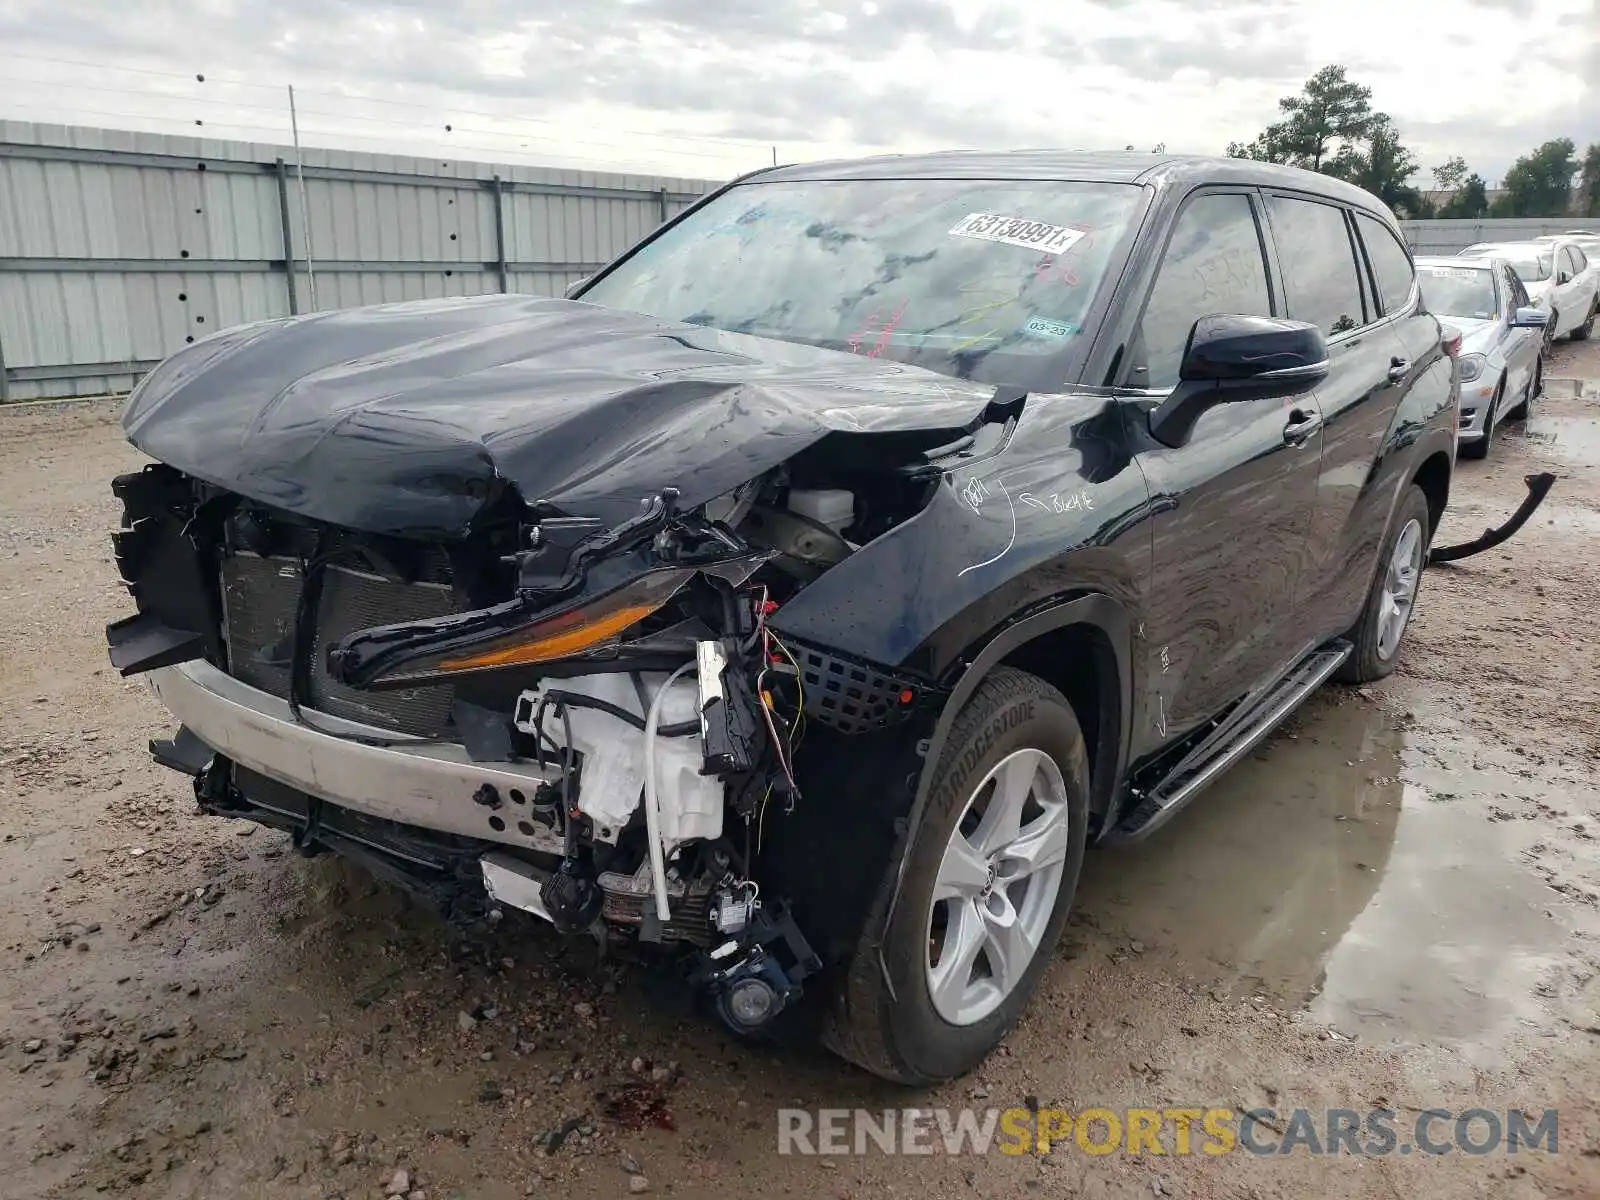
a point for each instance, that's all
(706, 88)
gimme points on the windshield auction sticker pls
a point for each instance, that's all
(1017, 231)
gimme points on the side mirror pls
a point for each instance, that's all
(1563, 277)
(1529, 318)
(1231, 358)
(574, 288)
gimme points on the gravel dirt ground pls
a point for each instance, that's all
(1392, 903)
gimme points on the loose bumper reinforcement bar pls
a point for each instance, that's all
(422, 783)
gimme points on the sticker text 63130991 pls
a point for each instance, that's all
(1017, 231)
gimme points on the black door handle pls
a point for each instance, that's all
(1301, 426)
(1399, 368)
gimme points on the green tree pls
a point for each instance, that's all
(1330, 113)
(1383, 167)
(1451, 175)
(1471, 202)
(1540, 184)
(1589, 182)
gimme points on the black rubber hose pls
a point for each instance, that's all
(578, 700)
(1538, 488)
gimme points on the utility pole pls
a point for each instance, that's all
(305, 215)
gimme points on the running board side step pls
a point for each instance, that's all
(1189, 779)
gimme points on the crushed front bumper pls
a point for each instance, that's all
(433, 785)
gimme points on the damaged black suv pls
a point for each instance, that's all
(795, 603)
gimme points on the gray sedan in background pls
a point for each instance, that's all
(1502, 341)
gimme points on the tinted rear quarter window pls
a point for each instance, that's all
(1319, 263)
(1391, 264)
(1212, 265)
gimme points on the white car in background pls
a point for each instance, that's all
(1587, 246)
(1502, 341)
(1588, 240)
(1558, 278)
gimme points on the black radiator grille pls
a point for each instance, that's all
(259, 596)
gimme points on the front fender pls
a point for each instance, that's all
(1057, 510)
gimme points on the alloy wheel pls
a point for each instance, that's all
(997, 886)
(1399, 588)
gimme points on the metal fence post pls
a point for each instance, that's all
(499, 189)
(661, 202)
(5, 384)
(288, 237)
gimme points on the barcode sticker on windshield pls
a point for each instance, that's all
(1451, 272)
(1017, 231)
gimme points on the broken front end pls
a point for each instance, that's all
(596, 725)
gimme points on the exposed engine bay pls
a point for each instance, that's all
(633, 667)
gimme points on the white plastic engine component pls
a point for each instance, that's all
(833, 507)
(613, 752)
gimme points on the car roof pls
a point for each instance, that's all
(1080, 166)
(1508, 249)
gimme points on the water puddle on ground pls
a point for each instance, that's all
(1339, 871)
(1574, 438)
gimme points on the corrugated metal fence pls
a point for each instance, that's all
(117, 248)
(1446, 237)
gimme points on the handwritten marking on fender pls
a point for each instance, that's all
(1078, 501)
(975, 491)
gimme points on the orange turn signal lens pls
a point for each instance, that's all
(549, 641)
(597, 622)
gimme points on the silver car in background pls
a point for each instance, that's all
(1502, 341)
(1558, 278)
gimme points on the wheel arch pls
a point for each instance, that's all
(1433, 477)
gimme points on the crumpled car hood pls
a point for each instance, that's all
(405, 418)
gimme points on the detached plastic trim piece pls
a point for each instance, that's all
(145, 642)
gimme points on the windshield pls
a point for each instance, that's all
(1458, 291)
(981, 279)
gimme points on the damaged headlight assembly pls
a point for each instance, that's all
(578, 629)
(609, 582)
(518, 633)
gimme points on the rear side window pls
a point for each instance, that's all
(1574, 265)
(1390, 262)
(1319, 264)
(1212, 266)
